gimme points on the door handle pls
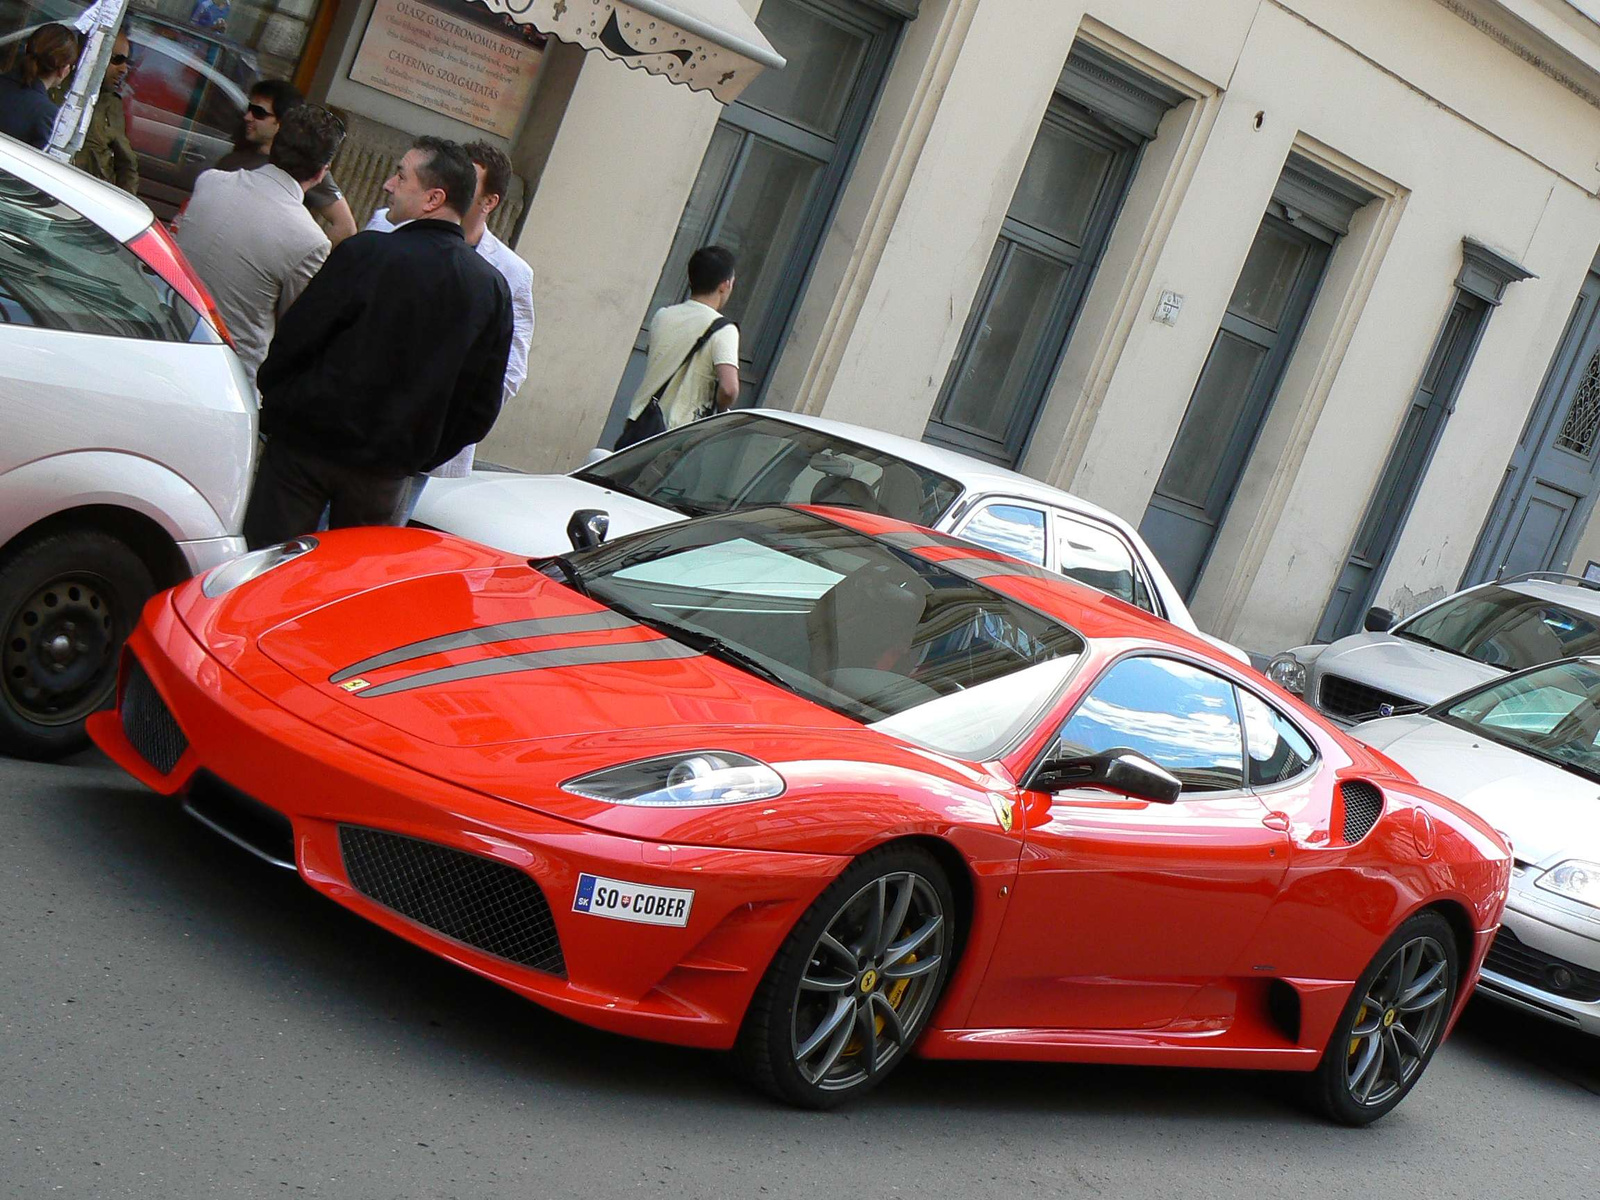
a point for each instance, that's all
(1276, 820)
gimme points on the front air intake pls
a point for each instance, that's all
(147, 722)
(1363, 805)
(480, 901)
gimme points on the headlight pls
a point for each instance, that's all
(246, 567)
(1574, 879)
(1289, 673)
(699, 779)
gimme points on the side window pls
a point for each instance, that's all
(1178, 716)
(1009, 528)
(1278, 750)
(1101, 559)
(61, 271)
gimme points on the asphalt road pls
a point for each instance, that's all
(178, 1020)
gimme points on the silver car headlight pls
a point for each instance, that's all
(1288, 672)
(696, 779)
(1575, 879)
(246, 567)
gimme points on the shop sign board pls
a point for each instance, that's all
(450, 57)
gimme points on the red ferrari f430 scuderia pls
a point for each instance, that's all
(819, 787)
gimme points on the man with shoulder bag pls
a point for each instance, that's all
(682, 384)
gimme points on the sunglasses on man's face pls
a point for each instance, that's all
(118, 60)
(259, 113)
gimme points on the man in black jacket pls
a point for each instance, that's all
(390, 362)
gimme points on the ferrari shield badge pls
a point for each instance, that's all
(354, 685)
(1003, 810)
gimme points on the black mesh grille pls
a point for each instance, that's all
(1515, 959)
(1362, 805)
(484, 903)
(1341, 697)
(149, 726)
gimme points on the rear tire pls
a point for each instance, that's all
(1392, 1024)
(854, 983)
(68, 601)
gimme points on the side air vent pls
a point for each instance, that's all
(1363, 805)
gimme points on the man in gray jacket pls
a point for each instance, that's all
(249, 236)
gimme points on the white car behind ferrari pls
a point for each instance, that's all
(759, 456)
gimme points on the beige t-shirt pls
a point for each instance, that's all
(693, 394)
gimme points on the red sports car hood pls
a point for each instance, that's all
(475, 659)
(509, 683)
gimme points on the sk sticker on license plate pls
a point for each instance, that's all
(638, 902)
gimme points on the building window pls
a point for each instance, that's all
(193, 64)
(774, 171)
(1050, 242)
(1310, 210)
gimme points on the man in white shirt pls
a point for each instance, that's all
(710, 382)
(494, 177)
(248, 234)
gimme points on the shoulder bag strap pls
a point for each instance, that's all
(719, 324)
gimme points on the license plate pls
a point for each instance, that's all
(637, 902)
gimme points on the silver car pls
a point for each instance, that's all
(1466, 639)
(760, 456)
(128, 432)
(1524, 753)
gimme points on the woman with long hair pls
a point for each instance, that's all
(26, 110)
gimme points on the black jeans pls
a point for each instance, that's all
(292, 488)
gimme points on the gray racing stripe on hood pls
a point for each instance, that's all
(486, 635)
(538, 660)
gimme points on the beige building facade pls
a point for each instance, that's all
(1306, 289)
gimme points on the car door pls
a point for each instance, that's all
(1127, 913)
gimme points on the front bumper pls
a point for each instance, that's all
(1550, 965)
(688, 985)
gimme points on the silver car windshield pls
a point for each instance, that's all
(742, 461)
(1552, 713)
(869, 630)
(1505, 628)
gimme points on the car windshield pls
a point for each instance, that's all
(742, 461)
(1505, 628)
(1552, 713)
(869, 630)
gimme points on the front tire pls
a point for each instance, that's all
(67, 603)
(1393, 1023)
(855, 982)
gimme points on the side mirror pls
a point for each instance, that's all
(588, 527)
(595, 455)
(1379, 620)
(1119, 770)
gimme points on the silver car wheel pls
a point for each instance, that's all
(869, 981)
(1400, 1018)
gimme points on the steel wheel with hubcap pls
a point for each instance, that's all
(1394, 1021)
(67, 603)
(854, 983)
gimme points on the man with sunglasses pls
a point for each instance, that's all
(107, 153)
(270, 101)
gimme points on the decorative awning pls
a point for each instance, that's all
(709, 45)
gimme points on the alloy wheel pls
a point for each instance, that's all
(1400, 1018)
(869, 981)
